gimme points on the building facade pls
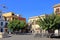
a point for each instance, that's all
(2, 25)
(57, 9)
(21, 18)
(35, 28)
(9, 16)
(57, 12)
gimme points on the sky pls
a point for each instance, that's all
(29, 8)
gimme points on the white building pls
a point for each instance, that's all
(57, 12)
(2, 25)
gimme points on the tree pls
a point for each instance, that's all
(49, 22)
(16, 25)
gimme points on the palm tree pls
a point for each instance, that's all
(50, 23)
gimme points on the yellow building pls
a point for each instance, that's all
(35, 18)
(34, 26)
(9, 16)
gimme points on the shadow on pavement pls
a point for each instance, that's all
(56, 37)
(23, 34)
(8, 36)
(45, 36)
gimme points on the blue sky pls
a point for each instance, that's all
(29, 8)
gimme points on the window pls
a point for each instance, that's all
(0, 16)
(6, 25)
(1, 23)
(13, 18)
(1, 30)
(57, 10)
(12, 13)
(5, 18)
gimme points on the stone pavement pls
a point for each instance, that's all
(26, 37)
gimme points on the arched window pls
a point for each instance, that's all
(6, 25)
(1, 23)
(1, 30)
(0, 16)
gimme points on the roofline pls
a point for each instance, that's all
(56, 5)
(36, 16)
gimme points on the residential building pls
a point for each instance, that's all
(57, 12)
(34, 25)
(9, 16)
(35, 18)
(21, 18)
(2, 25)
(56, 9)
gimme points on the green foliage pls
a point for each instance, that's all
(16, 25)
(49, 22)
(22, 24)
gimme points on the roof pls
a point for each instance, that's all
(21, 18)
(8, 14)
(37, 16)
(57, 5)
